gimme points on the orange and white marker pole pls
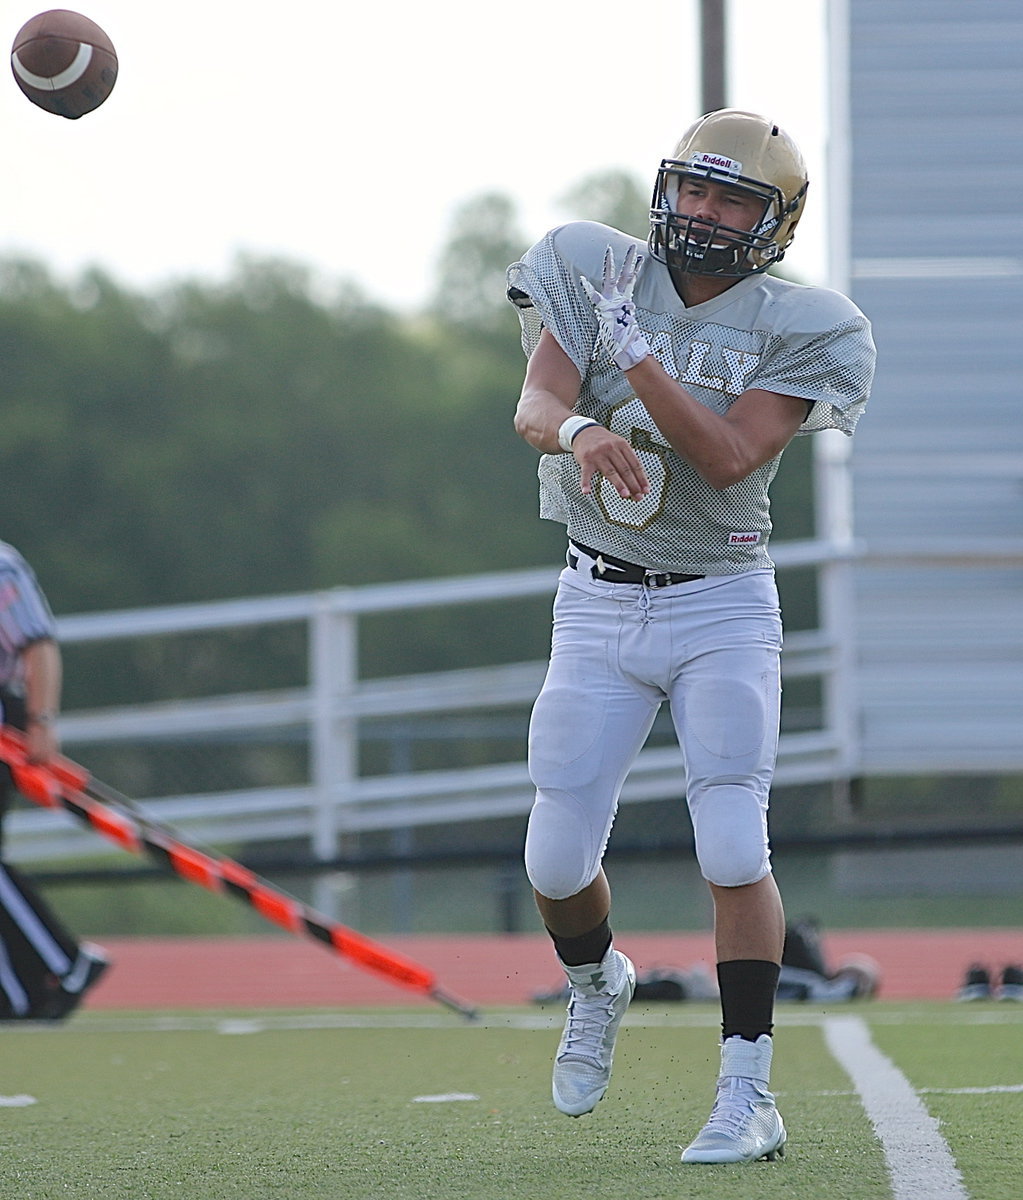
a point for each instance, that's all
(62, 783)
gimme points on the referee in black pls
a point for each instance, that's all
(44, 970)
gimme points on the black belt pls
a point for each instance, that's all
(614, 570)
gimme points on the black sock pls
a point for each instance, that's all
(748, 987)
(586, 948)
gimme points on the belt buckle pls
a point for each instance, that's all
(656, 579)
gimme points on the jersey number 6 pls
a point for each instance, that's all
(631, 421)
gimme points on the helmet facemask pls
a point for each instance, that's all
(693, 246)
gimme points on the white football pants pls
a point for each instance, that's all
(712, 649)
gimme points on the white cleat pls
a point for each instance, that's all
(744, 1124)
(600, 994)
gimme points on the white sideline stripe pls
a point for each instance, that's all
(919, 1160)
(994, 1090)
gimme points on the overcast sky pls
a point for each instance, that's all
(344, 136)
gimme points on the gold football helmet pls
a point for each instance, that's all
(740, 150)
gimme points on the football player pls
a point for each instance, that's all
(663, 383)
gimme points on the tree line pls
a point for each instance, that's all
(253, 436)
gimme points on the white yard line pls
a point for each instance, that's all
(919, 1160)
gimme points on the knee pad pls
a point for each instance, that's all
(563, 852)
(730, 827)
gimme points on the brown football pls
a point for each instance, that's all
(64, 63)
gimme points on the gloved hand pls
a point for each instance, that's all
(616, 311)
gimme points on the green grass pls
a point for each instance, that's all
(982, 1052)
(323, 1105)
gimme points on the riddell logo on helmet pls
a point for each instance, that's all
(718, 161)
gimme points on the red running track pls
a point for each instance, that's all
(279, 972)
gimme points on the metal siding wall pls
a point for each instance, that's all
(936, 104)
(936, 233)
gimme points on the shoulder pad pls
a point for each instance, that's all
(581, 246)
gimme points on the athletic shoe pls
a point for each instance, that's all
(1011, 986)
(744, 1123)
(976, 985)
(860, 974)
(86, 972)
(600, 994)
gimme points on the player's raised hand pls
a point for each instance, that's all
(615, 309)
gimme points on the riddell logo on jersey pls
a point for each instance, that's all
(743, 539)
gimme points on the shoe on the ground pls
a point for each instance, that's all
(861, 975)
(1011, 985)
(86, 971)
(600, 994)
(976, 984)
(744, 1123)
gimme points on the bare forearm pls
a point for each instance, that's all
(548, 397)
(723, 448)
(538, 417)
(549, 393)
(43, 678)
(704, 438)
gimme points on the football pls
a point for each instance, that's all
(64, 63)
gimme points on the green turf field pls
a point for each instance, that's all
(298, 1106)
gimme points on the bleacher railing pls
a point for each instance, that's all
(329, 712)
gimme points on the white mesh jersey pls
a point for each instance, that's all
(763, 332)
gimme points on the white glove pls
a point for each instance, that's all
(616, 311)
